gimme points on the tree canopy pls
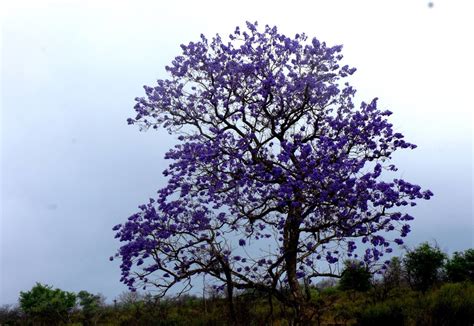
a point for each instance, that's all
(424, 266)
(355, 276)
(45, 304)
(277, 177)
(461, 266)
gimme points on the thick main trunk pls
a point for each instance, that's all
(291, 256)
(230, 295)
(230, 300)
(291, 239)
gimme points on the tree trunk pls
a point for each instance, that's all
(230, 294)
(230, 300)
(302, 312)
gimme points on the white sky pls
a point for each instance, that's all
(71, 168)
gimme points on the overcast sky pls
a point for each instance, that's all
(72, 168)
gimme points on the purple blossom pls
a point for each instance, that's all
(398, 241)
(272, 149)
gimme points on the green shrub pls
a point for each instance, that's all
(386, 313)
(356, 276)
(461, 266)
(43, 304)
(453, 304)
(424, 266)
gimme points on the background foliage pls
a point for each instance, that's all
(359, 298)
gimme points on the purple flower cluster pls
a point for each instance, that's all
(272, 153)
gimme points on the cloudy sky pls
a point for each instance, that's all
(71, 168)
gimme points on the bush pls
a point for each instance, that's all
(9, 315)
(386, 313)
(453, 304)
(355, 277)
(461, 267)
(44, 305)
(424, 266)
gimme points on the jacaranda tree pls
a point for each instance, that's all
(277, 176)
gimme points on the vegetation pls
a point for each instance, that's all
(461, 266)
(424, 266)
(359, 298)
(355, 277)
(42, 304)
(272, 153)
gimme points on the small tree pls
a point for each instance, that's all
(461, 266)
(132, 302)
(45, 305)
(91, 305)
(277, 176)
(424, 266)
(394, 275)
(130, 298)
(355, 276)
